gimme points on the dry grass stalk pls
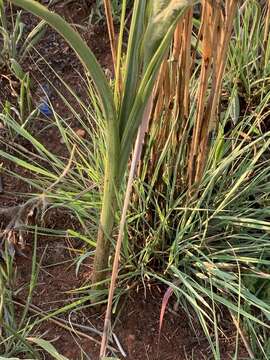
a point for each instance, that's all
(170, 116)
(135, 158)
(266, 32)
(207, 56)
(216, 32)
(243, 337)
(181, 109)
(171, 98)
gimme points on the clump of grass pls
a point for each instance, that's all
(15, 44)
(203, 230)
(98, 15)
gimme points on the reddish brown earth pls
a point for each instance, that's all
(137, 317)
(136, 323)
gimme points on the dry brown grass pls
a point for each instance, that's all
(173, 98)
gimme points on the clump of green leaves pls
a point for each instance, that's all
(97, 14)
(14, 44)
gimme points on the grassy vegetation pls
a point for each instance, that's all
(15, 43)
(198, 217)
(97, 14)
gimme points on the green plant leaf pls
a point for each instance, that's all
(164, 13)
(17, 69)
(84, 53)
(152, 64)
(133, 61)
(48, 347)
(33, 37)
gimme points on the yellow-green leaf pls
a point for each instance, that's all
(48, 347)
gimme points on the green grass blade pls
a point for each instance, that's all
(80, 47)
(48, 347)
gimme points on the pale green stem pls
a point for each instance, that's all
(109, 202)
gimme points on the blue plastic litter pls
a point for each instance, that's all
(46, 90)
(44, 106)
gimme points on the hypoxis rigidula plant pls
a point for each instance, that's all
(152, 26)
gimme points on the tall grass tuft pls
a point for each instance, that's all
(198, 220)
(124, 118)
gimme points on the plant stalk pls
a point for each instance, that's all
(111, 186)
(115, 269)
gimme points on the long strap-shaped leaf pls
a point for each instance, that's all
(134, 60)
(80, 47)
(144, 91)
